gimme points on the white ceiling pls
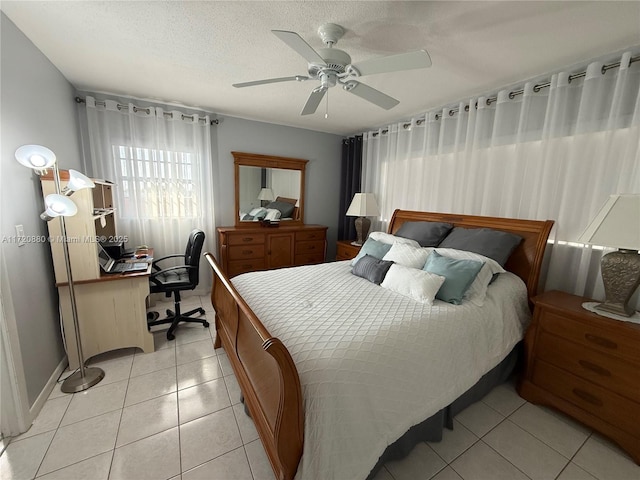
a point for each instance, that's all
(191, 52)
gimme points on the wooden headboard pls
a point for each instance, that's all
(525, 261)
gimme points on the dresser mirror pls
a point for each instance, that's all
(268, 187)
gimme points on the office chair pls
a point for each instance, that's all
(173, 280)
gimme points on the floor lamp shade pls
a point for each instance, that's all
(617, 224)
(362, 206)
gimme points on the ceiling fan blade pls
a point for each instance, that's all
(394, 63)
(299, 78)
(296, 42)
(370, 94)
(313, 101)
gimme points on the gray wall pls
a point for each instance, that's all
(37, 107)
(323, 150)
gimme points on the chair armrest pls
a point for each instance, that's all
(156, 260)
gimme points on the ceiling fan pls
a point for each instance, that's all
(332, 66)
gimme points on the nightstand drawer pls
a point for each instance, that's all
(605, 370)
(237, 267)
(310, 235)
(241, 252)
(346, 251)
(247, 238)
(590, 336)
(608, 406)
(310, 247)
(309, 258)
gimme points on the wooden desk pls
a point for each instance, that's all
(112, 314)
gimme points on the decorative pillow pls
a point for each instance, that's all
(272, 214)
(478, 289)
(407, 255)
(372, 247)
(411, 282)
(485, 241)
(286, 209)
(391, 239)
(458, 274)
(427, 234)
(371, 268)
(257, 210)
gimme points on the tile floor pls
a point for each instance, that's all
(175, 414)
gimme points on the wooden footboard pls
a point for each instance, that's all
(266, 373)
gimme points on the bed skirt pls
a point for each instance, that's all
(431, 429)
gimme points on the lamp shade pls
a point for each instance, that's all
(363, 205)
(617, 224)
(266, 194)
(77, 181)
(36, 157)
(57, 205)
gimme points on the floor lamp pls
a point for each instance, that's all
(40, 159)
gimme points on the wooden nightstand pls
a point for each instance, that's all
(585, 365)
(346, 251)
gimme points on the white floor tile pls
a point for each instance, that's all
(479, 418)
(151, 362)
(454, 442)
(49, 417)
(160, 340)
(248, 430)
(447, 473)
(504, 399)
(383, 474)
(421, 464)
(202, 400)
(480, 462)
(152, 458)
(191, 352)
(95, 401)
(208, 437)
(574, 472)
(536, 459)
(233, 388)
(258, 461)
(22, 458)
(116, 365)
(225, 364)
(192, 332)
(151, 385)
(148, 418)
(230, 466)
(94, 468)
(605, 461)
(82, 440)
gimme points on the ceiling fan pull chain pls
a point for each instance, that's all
(326, 113)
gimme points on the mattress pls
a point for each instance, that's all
(373, 363)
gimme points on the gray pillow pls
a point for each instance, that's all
(485, 241)
(427, 234)
(286, 209)
(371, 268)
(374, 248)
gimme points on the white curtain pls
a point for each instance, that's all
(554, 153)
(164, 168)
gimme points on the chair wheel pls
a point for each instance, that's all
(169, 313)
(201, 311)
(206, 324)
(170, 336)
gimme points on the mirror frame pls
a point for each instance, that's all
(268, 161)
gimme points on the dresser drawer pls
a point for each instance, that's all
(310, 235)
(245, 238)
(605, 370)
(590, 336)
(309, 258)
(241, 252)
(310, 247)
(237, 267)
(608, 406)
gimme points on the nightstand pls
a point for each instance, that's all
(585, 365)
(346, 251)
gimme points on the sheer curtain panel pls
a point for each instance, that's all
(554, 151)
(163, 166)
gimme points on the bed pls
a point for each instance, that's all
(291, 401)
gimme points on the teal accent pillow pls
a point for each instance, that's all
(458, 274)
(374, 248)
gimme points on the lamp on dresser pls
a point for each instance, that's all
(617, 224)
(265, 196)
(40, 159)
(362, 206)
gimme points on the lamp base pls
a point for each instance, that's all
(621, 276)
(362, 225)
(77, 383)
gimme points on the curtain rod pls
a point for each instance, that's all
(143, 109)
(515, 93)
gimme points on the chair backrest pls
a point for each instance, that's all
(192, 254)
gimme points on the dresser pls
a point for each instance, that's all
(585, 365)
(246, 249)
(345, 250)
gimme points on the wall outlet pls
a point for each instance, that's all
(20, 235)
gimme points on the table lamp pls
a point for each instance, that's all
(265, 196)
(617, 224)
(363, 205)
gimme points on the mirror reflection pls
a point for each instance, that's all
(271, 193)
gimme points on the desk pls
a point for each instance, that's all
(112, 314)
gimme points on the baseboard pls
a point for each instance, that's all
(48, 388)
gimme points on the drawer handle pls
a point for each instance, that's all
(246, 266)
(587, 397)
(247, 252)
(247, 239)
(603, 342)
(595, 368)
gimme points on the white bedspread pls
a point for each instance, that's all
(373, 363)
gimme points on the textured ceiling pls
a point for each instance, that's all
(191, 52)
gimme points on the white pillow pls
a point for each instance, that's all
(478, 289)
(391, 239)
(273, 214)
(257, 210)
(408, 255)
(417, 284)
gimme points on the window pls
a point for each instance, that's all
(156, 183)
